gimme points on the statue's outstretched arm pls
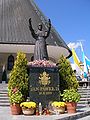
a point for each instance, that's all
(32, 30)
(49, 28)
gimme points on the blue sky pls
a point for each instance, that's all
(71, 18)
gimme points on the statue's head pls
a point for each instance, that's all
(40, 26)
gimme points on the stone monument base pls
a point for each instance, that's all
(44, 84)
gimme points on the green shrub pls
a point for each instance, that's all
(18, 76)
(15, 96)
(70, 95)
(67, 76)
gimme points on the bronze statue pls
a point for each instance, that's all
(40, 50)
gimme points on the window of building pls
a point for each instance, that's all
(10, 62)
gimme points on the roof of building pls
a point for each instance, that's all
(14, 25)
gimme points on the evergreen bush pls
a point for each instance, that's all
(18, 76)
(68, 79)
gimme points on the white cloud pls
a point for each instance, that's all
(74, 45)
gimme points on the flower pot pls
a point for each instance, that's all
(16, 109)
(28, 111)
(71, 107)
(60, 110)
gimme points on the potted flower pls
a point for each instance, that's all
(59, 106)
(71, 97)
(15, 98)
(28, 108)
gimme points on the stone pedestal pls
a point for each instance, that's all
(44, 84)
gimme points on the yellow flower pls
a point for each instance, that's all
(58, 104)
(28, 104)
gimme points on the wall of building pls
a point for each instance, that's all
(4, 62)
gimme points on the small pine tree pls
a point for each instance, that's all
(18, 76)
(67, 76)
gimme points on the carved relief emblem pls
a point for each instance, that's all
(44, 79)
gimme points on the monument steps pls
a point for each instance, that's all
(4, 104)
(84, 92)
(4, 100)
(82, 102)
(85, 97)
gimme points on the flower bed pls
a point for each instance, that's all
(42, 63)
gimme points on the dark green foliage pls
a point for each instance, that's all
(4, 76)
(67, 76)
(18, 76)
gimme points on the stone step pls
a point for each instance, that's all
(88, 88)
(4, 95)
(5, 104)
(2, 87)
(83, 88)
(3, 84)
(84, 99)
(4, 101)
(84, 94)
(3, 90)
(86, 91)
(4, 98)
(80, 106)
(83, 102)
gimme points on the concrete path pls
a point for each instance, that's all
(5, 114)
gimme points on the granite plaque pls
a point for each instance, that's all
(44, 84)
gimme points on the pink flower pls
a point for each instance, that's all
(14, 90)
(42, 63)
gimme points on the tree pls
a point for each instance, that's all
(67, 76)
(18, 76)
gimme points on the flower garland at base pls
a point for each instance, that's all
(42, 63)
